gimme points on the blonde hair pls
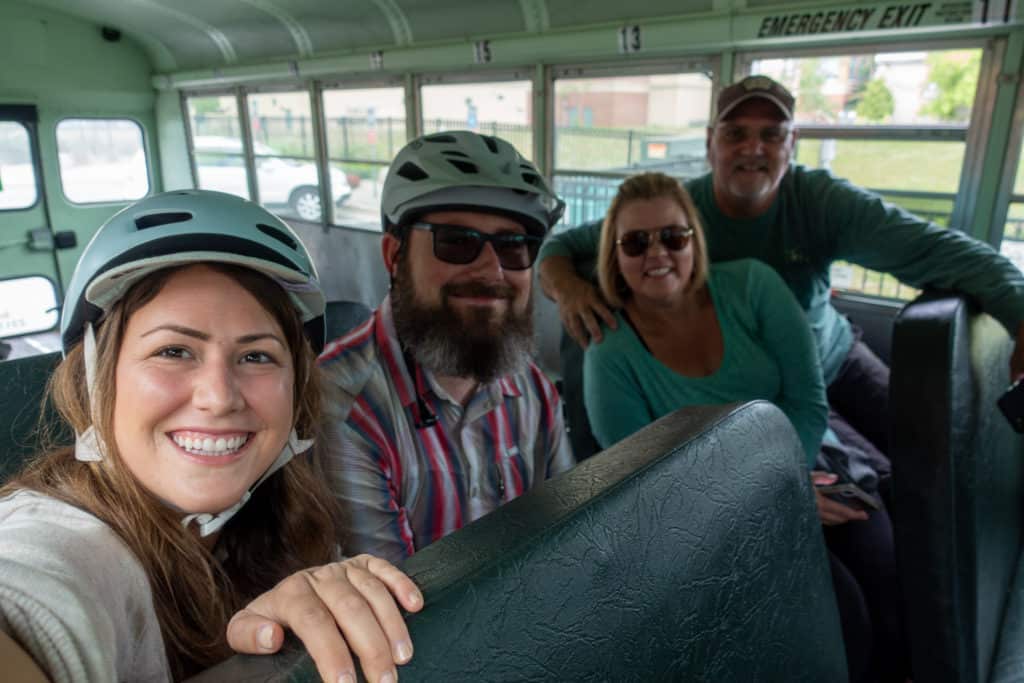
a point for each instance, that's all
(290, 523)
(646, 186)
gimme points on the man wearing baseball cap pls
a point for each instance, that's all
(757, 203)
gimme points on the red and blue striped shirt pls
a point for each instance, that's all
(405, 487)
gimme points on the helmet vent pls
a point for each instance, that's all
(455, 153)
(411, 171)
(278, 235)
(491, 143)
(442, 137)
(532, 179)
(464, 166)
(154, 220)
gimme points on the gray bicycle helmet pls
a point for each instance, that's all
(465, 171)
(189, 226)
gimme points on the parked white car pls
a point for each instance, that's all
(282, 183)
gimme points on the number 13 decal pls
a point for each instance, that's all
(629, 39)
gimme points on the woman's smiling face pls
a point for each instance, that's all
(204, 391)
(658, 275)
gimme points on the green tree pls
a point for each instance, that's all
(811, 99)
(206, 105)
(955, 78)
(861, 71)
(877, 103)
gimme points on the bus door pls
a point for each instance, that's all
(30, 282)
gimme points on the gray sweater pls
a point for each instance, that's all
(74, 596)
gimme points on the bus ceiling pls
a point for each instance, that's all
(224, 41)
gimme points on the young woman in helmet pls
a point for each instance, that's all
(190, 519)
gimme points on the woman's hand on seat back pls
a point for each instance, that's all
(337, 610)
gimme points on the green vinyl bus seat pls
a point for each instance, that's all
(690, 551)
(958, 493)
(22, 385)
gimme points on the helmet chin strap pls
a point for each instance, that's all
(90, 448)
(209, 523)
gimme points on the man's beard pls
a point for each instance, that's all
(474, 343)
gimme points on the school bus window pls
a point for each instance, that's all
(17, 174)
(217, 144)
(501, 108)
(609, 127)
(895, 123)
(365, 128)
(102, 160)
(1012, 245)
(285, 149)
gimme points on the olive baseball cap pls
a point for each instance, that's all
(750, 88)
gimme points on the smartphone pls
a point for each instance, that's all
(1012, 405)
(850, 495)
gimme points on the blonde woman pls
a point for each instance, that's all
(189, 520)
(692, 333)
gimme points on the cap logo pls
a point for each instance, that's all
(757, 83)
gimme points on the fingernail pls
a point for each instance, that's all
(403, 650)
(415, 598)
(266, 637)
(389, 677)
(347, 677)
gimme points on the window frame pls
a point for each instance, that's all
(31, 129)
(246, 153)
(324, 158)
(972, 134)
(146, 156)
(707, 64)
(474, 77)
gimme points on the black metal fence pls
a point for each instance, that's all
(587, 197)
(610, 153)
(379, 138)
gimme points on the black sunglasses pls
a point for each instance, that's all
(461, 245)
(636, 242)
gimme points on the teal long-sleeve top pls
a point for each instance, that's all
(817, 219)
(769, 353)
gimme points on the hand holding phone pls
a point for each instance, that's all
(850, 495)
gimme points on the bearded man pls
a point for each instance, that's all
(442, 416)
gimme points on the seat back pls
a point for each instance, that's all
(958, 484)
(23, 381)
(875, 319)
(344, 316)
(689, 551)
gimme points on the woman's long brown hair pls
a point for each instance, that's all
(289, 524)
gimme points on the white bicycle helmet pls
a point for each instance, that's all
(182, 227)
(465, 171)
(179, 228)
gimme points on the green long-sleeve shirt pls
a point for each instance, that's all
(817, 219)
(768, 354)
